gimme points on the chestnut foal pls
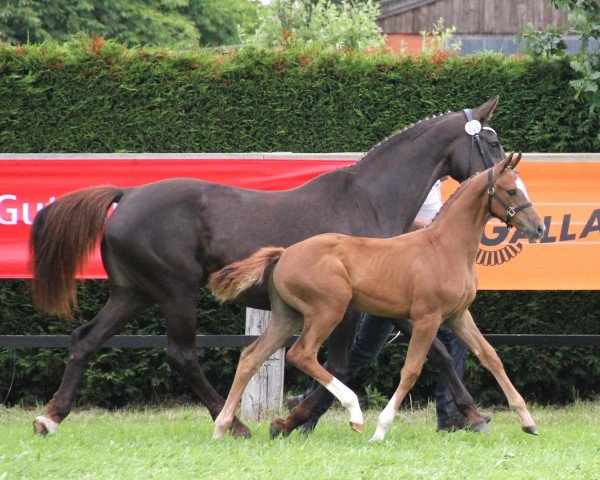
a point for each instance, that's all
(428, 276)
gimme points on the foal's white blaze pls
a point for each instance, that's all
(386, 418)
(50, 424)
(347, 398)
(521, 186)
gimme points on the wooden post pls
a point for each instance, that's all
(264, 393)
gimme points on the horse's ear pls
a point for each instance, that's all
(485, 111)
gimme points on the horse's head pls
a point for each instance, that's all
(476, 147)
(508, 200)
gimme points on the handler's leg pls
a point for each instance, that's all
(448, 416)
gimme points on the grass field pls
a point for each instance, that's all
(176, 443)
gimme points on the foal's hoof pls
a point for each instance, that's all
(277, 428)
(532, 430)
(43, 426)
(357, 427)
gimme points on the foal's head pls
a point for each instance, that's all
(508, 201)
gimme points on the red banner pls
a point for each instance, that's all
(564, 190)
(29, 183)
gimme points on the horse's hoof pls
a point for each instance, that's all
(39, 428)
(357, 427)
(277, 427)
(241, 431)
(532, 430)
(43, 426)
(478, 428)
(241, 434)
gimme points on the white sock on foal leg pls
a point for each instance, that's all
(50, 424)
(347, 398)
(386, 418)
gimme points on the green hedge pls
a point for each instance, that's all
(83, 98)
(93, 97)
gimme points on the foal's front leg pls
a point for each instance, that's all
(440, 358)
(464, 328)
(424, 329)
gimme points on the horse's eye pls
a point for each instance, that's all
(495, 144)
(511, 193)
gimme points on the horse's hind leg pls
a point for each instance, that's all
(443, 362)
(182, 355)
(122, 307)
(464, 327)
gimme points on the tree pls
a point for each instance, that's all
(584, 22)
(218, 20)
(169, 23)
(347, 24)
(584, 16)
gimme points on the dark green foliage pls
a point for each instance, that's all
(180, 24)
(94, 96)
(100, 97)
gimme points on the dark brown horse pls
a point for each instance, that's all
(428, 276)
(164, 239)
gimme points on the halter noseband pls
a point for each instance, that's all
(510, 210)
(476, 140)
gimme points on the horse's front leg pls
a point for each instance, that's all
(464, 328)
(442, 360)
(339, 346)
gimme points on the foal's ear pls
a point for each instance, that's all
(515, 160)
(484, 112)
(506, 163)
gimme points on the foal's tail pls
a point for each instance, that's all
(63, 237)
(233, 279)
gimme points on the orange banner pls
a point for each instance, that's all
(567, 196)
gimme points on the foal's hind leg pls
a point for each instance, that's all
(339, 345)
(281, 327)
(443, 362)
(464, 327)
(303, 355)
(122, 307)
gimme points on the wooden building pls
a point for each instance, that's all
(480, 24)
